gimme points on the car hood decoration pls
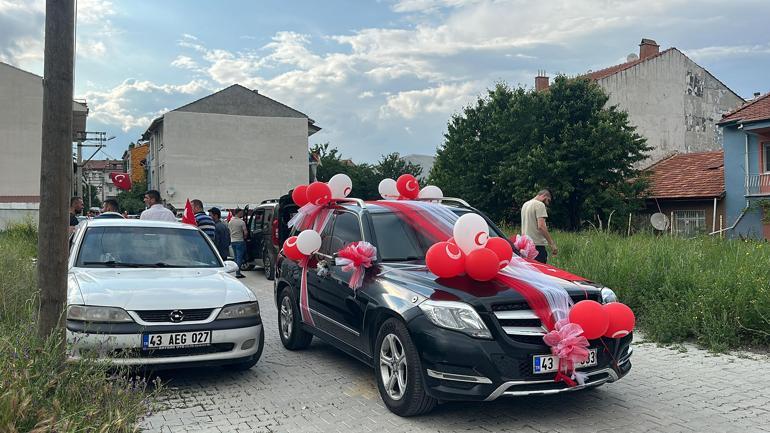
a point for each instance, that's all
(153, 289)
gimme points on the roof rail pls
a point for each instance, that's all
(357, 201)
(270, 200)
(449, 199)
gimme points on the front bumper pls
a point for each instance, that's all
(459, 367)
(121, 348)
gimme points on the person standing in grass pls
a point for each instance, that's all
(533, 215)
(238, 239)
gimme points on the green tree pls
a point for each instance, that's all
(132, 201)
(511, 143)
(393, 166)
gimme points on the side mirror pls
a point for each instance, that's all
(230, 266)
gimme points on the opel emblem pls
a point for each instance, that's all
(176, 316)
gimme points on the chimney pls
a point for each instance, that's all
(648, 48)
(541, 81)
(756, 95)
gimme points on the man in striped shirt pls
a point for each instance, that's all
(205, 222)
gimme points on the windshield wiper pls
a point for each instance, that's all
(114, 263)
(402, 259)
(164, 265)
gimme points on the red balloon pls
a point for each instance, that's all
(621, 320)
(299, 195)
(408, 186)
(451, 241)
(290, 249)
(592, 317)
(503, 249)
(482, 264)
(445, 260)
(319, 193)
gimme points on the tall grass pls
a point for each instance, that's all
(39, 393)
(714, 291)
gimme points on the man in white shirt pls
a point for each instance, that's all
(533, 215)
(155, 210)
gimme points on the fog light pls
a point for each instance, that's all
(248, 344)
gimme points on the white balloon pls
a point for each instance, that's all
(388, 189)
(341, 185)
(431, 191)
(471, 232)
(308, 242)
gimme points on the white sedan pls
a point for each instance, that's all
(157, 294)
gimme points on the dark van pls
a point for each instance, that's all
(267, 225)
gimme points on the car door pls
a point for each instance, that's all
(340, 309)
(254, 241)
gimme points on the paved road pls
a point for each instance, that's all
(321, 389)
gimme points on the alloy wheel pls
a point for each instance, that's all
(393, 367)
(287, 318)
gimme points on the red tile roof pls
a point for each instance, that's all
(756, 109)
(104, 164)
(688, 175)
(612, 70)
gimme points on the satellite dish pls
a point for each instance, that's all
(659, 221)
(171, 191)
(632, 58)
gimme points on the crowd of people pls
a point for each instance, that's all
(224, 234)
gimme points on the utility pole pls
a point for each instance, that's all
(56, 164)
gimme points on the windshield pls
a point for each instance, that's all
(398, 240)
(146, 247)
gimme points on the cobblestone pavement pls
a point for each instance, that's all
(321, 389)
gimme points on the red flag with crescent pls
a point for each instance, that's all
(189, 215)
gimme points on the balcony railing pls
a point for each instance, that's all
(758, 184)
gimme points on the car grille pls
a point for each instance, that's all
(169, 353)
(521, 324)
(190, 315)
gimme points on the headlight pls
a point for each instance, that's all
(237, 311)
(608, 296)
(90, 313)
(457, 316)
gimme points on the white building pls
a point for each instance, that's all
(231, 148)
(424, 161)
(21, 129)
(674, 102)
(96, 173)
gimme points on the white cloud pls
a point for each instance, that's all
(184, 62)
(405, 6)
(720, 52)
(441, 99)
(118, 105)
(90, 48)
(94, 11)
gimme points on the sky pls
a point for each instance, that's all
(378, 76)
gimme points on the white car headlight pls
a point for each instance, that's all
(93, 313)
(608, 296)
(238, 311)
(457, 316)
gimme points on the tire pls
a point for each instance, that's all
(267, 262)
(252, 361)
(407, 398)
(290, 329)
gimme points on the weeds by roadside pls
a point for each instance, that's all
(716, 292)
(38, 393)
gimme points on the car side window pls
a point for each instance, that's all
(256, 221)
(347, 229)
(267, 219)
(326, 237)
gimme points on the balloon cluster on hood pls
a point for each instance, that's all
(406, 187)
(470, 251)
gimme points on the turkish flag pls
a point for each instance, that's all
(189, 216)
(121, 180)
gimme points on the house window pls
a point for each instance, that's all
(689, 223)
(766, 152)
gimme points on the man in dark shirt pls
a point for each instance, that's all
(109, 210)
(76, 207)
(205, 223)
(221, 233)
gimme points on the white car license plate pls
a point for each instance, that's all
(542, 364)
(176, 340)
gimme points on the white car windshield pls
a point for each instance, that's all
(145, 247)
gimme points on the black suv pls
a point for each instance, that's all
(392, 323)
(267, 226)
